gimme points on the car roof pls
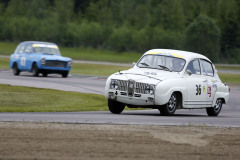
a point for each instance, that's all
(176, 53)
(37, 42)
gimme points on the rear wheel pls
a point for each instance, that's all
(35, 70)
(214, 111)
(16, 71)
(170, 107)
(115, 106)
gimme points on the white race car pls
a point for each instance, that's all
(167, 80)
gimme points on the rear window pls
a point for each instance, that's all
(207, 68)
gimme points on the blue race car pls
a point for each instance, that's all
(39, 57)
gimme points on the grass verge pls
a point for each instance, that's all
(106, 70)
(224, 67)
(27, 99)
(4, 63)
(96, 69)
(82, 68)
(229, 78)
(81, 53)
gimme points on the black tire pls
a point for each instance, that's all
(64, 74)
(35, 70)
(214, 111)
(45, 74)
(16, 71)
(170, 107)
(115, 106)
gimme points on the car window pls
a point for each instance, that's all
(27, 48)
(162, 62)
(207, 68)
(47, 49)
(194, 67)
(20, 49)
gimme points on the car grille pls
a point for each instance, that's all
(135, 87)
(130, 88)
(123, 85)
(140, 88)
(60, 64)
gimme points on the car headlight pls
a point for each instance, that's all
(114, 84)
(70, 63)
(43, 61)
(149, 89)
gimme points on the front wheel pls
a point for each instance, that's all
(16, 71)
(35, 70)
(115, 106)
(45, 74)
(214, 111)
(170, 107)
(64, 74)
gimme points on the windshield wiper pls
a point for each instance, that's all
(145, 64)
(165, 68)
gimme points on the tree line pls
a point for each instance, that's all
(209, 27)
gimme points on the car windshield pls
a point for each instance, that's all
(47, 49)
(162, 62)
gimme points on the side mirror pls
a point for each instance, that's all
(188, 72)
(133, 63)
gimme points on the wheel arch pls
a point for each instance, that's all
(13, 63)
(166, 88)
(223, 100)
(162, 98)
(220, 95)
(179, 99)
(34, 62)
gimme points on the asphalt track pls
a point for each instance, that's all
(229, 116)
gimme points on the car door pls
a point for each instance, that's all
(196, 84)
(208, 73)
(29, 57)
(21, 61)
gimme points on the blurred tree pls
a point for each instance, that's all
(203, 36)
(100, 12)
(127, 25)
(228, 20)
(16, 8)
(169, 15)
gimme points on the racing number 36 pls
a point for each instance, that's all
(198, 89)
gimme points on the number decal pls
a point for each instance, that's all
(23, 61)
(209, 91)
(198, 89)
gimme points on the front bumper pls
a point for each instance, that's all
(136, 99)
(54, 69)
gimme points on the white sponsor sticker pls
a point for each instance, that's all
(23, 61)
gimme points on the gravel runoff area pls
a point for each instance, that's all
(28, 140)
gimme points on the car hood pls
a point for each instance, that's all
(54, 57)
(145, 75)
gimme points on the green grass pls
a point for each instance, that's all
(81, 53)
(4, 63)
(230, 78)
(96, 69)
(222, 67)
(106, 70)
(7, 48)
(27, 99)
(100, 55)
(82, 68)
